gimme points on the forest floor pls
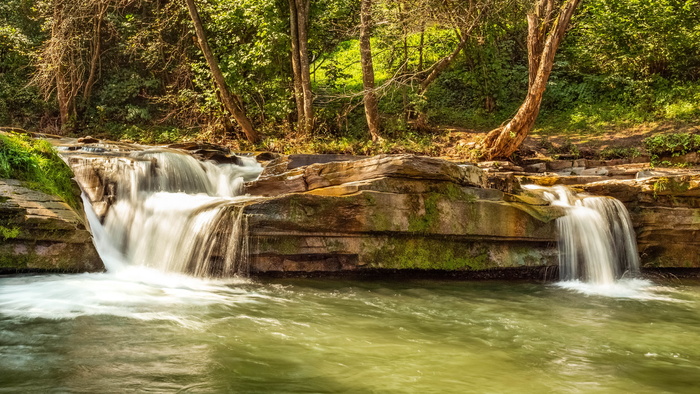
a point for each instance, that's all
(454, 142)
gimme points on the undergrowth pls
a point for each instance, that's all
(37, 164)
(671, 145)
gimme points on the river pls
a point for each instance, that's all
(143, 331)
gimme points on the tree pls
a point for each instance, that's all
(547, 24)
(70, 58)
(370, 98)
(301, 70)
(470, 15)
(232, 103)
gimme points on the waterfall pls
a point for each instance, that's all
(597, 243)
(174, 213)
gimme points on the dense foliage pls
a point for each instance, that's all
(36, 163)
(132, 69)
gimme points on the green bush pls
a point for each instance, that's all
(672, 144)
(37, 163)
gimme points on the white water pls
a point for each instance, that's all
(176, 214)
(597, 244)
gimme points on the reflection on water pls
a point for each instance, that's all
(139, 330)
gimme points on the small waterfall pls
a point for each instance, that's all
(174, 213)
(597, 243)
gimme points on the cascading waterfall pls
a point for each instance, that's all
(596, 239)
(174, 213)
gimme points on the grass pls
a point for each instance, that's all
(37, 164)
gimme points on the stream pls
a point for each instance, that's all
(147, 331)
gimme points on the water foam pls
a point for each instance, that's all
(134, 292)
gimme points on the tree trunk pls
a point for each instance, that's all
(301, 66)
(96, 49)
(296, 62)
(227, 98)
(62, 95)
(371, 105)
(544, 36)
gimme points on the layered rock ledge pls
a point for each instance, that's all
(392, 212)
(665, 210)
(42, 233)
(321, 214)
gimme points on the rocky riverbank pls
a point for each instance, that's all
(317, 213)
(41, 233)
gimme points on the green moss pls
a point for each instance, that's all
(670, 185)
(9, 233)
(426, 254)
(422, 223)
(37, 163)
(14, 261)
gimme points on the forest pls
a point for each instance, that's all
(346, 76)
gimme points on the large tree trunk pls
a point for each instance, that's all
(371, 105)
(228, 99)
(301, 68)
(545, 32)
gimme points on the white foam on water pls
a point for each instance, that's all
(637, 289)
(134, 292)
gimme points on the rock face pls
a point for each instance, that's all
(392, 212)
(665, 211)
(39, 232)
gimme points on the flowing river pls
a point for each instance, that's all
(139, 330)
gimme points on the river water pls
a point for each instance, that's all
(142, 331)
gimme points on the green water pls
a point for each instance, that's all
(139, 333)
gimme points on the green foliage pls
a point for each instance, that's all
(637, 38)
(250, 39)
(623, 63)
(676, 144)
(619, 152)
(20, 105)
(37, 163)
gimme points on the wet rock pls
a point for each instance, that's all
(537, 167)
(453, 230)
(558, 165)
(217, 156)
(88, 140)
(595, 171)
(267, 156)
(499, 166)
(193, 146)
(394, 212)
